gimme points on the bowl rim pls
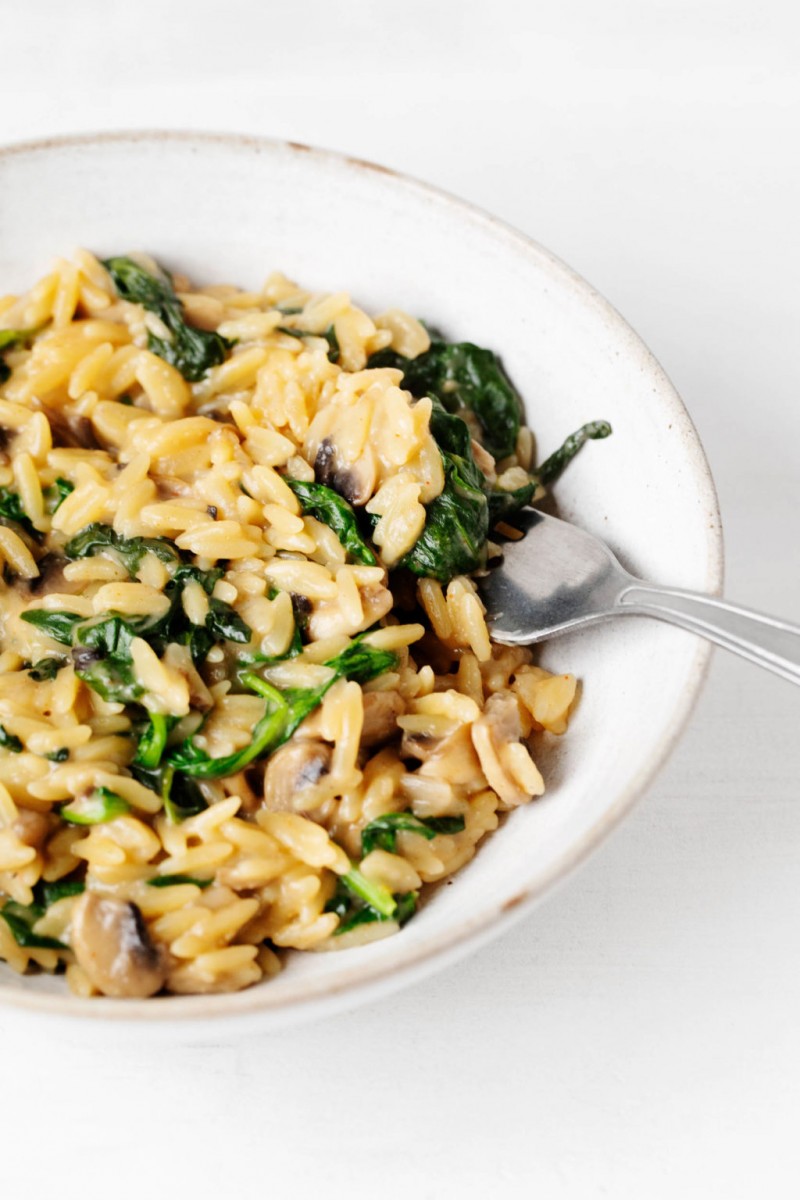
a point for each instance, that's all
(364, 981)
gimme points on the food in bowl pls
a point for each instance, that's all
(248, 699)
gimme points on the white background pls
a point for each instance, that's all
(639, 1034)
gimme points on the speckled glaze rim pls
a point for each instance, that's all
(361, 983)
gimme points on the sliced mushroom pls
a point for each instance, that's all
(31, 827)
(452, 757)
(508, 768)
(381, 710)
(112, 945)
(292, 773)
(355, 481)
(329, 620)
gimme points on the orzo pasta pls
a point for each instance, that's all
(248, 699)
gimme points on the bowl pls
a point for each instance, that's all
(228, 208)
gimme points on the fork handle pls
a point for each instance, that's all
(764, 640)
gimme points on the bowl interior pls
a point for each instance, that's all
(233, 209)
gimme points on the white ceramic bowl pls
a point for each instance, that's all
(232, 209)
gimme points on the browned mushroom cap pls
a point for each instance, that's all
(31, 827)
(355, 481)
(381, 710)
(292, 773)
(112, 946)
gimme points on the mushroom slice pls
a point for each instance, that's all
(113, 947)
(293, 772)
(355, 481)
(328, 619)
(381, 710)
(451, 757)
(31, 827)
(505, 762)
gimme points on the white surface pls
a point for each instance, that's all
(638, 1034)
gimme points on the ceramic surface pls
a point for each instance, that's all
(232, 209)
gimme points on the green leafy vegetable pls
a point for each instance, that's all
(453, 541)
(504, 504)
(46, 894)
(225, 624)
(552, 467)
(10, 339)
(373, 894)
(162, 881)
(46, 669)
(462, 375)
(329, 335)
(328, 507)
(382, 832)
(55, 495)
(180, 795)
(11, 509)
(58, 755)
(103, 660)
(8, 741)
(192, 351)
(352, 909)
(153, 741)
(21, 919)
(54, 622)
(98, 539)
(283, 712)
(100, 806)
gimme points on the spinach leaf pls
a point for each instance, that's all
(56, 494)
(162, 881)
(11, 509)
(462, 375)
(225, 624)
(453, 541)
(46, 894)
(503, 505)
(95, 809)
(46, 669)
(382, 832)
(329, 335)
(552, 467)
(54, 622)
(58, 755)
(328, 507)
(103, 660)
(9, 741)
(153, 740)
(10, 339)
(98, 538)
(21, 919)
(192, 351)
(350, 904)
(283, 712)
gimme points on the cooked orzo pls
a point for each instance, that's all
(248, 699)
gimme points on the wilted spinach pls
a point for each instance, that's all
(192, 351)
(284, 711)
(463, 375)
(381, 834)
(332, 510)
(453, 541)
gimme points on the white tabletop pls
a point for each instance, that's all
(638, 1035)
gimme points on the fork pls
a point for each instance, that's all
(558, 578)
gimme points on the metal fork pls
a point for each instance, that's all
(558, 578)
